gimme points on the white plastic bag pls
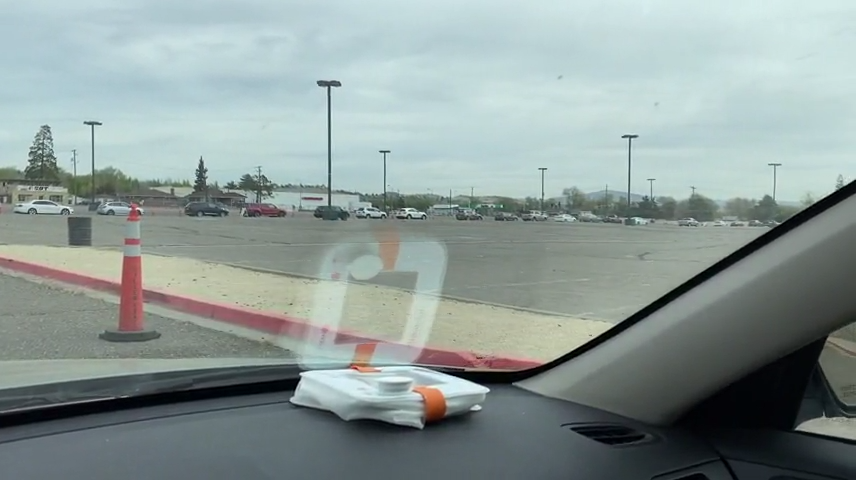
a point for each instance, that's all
(407, 396)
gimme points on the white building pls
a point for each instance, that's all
(307, 199)
(444, 209)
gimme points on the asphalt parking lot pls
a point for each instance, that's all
(42, 322)
(588, 270)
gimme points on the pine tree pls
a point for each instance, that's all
(41, 160)
(201, 182)
(839, 182)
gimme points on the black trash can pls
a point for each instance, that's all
(79, 231)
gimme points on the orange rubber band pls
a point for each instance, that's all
(435, 403)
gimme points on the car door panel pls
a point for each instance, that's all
(777, 455)
(44, 208)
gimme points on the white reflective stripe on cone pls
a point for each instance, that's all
(133, 230)
(133, 250)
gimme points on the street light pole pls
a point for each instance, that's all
(543, 169)
(629, 137)
(384, 152)
(775, 167)
(74, 175)
(692, 195)
(651, 189)
(329, 85)
(92, 124)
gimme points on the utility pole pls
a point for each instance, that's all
(543, 169)
(259, 184)
(472, 190)
(384, 153)
(692, 195)
(450, 201)
(74, 175)
(651, 189)
(775, 167)
(629, 137)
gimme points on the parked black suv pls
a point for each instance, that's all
(203, 209)
(340, 212)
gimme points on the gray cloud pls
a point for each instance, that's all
(466, 94)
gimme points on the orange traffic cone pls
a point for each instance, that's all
(131, 318)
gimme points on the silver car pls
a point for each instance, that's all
(116, 208)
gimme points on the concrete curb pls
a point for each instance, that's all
(264, 322)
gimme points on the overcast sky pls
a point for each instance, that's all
(466, 93)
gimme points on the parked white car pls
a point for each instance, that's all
(369, 212)
(688, 222)
(42, 207)
(410, 213)
(565, 218)
(116, 208)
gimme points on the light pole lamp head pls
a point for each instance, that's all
(630, 136)
(92, 123)
(542, 168)
(384, 151)
(329, 83)
(652, 179)
(774, 164)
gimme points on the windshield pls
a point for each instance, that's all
(470, 184)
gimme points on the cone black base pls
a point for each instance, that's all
(127, 337)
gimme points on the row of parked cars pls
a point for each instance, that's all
(536, 216)
(48, 207)
(750, 223)
(216, 209)
(401, 213)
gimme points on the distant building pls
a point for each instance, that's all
(308, 199)
(175, 196)
(444, 209)
(149, 197)
(230, 199)
(179, 192)
(25, 190)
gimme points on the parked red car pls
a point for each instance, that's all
(264, 210)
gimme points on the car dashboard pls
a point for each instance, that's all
(262, 436)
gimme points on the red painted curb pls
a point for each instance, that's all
(266, 322)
